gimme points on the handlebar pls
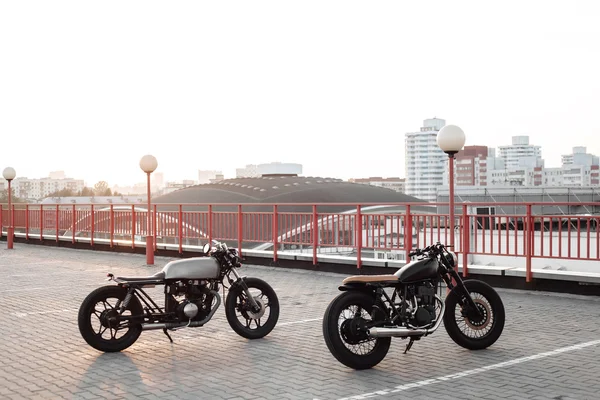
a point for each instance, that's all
(434, 248)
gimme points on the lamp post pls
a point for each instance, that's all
(9, 174)
(148, 164)
(451, 140)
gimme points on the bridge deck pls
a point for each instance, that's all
(550, 347)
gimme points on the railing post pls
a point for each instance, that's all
(73, 223)
(358, 237)
(92, 230)
(11, 227)
(275, 229)
(240, 229)
(315, 233)
(57, 221)
(112, 225)
(26, 221)
(210, 224)
(180, 226)
(408, 232)
(154, 225)
(133, 224)
(1, 215)
(528, 247)
(465, 242)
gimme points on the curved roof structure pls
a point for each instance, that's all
(259, 194)
(286, 189)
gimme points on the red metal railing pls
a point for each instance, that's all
(362, 231)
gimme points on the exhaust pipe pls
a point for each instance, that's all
(396, 332)
(406, 332)
(191, 324)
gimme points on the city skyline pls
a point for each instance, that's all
(216, 87)
(61, 174)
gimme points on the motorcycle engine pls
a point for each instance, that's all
(425, 313)
(196, 304)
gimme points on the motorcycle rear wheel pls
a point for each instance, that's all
(342, 337)
(475, 334)
(97, 308)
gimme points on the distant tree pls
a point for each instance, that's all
(14, 199)
(86, 192)
(101, 189)
(63, 193)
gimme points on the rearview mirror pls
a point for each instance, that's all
(206, 248)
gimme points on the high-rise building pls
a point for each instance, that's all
(207, 176)
(35, 189)
(579, 157)
(424, 160)
(272, 168)
(249, 171)
(472, 166)
(394, 183)
(521, 154)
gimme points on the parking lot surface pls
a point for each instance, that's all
(550, 348)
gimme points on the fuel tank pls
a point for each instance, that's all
(192, 268)
(418, 270)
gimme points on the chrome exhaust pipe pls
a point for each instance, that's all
(396, 332)
(170, 325)
(190, 324)
(407, 332)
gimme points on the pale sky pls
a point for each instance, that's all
(90, 87)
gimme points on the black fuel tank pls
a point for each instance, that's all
(418, 270)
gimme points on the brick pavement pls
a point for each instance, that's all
(44, 356)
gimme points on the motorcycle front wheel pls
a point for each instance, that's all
(102, 325)
(246, 322)
(345, 334)
(470, 331)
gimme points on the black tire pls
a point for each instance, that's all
(88, 313)
(333, 335)
(237, 301)
(490, 302)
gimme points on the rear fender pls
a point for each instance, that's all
(362, 287)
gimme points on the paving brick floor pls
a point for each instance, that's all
(43, 355)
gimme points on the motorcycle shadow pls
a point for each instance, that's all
(113, 372)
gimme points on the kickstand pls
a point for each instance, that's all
(409, 345)
(167, 333)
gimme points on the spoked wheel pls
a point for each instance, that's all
(345, 331)
(469, 329)
(101, 324)
(246, 321)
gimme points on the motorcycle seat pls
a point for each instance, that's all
(370, 278)
(159, 276)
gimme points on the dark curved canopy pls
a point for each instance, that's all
(260, 194)
(286, 189)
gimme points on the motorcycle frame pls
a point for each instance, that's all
(154, 316)
(446, 271)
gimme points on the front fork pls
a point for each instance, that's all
(242, 283)
(469, 309)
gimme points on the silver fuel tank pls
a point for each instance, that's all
(192, 268)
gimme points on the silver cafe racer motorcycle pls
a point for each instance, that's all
(371, 310)
(111, 318)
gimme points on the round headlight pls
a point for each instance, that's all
(454, 258)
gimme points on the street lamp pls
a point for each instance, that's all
(9, 174)
(148, 164)
(451, 140)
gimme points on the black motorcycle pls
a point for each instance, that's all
(359, 323)
(111, 318)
